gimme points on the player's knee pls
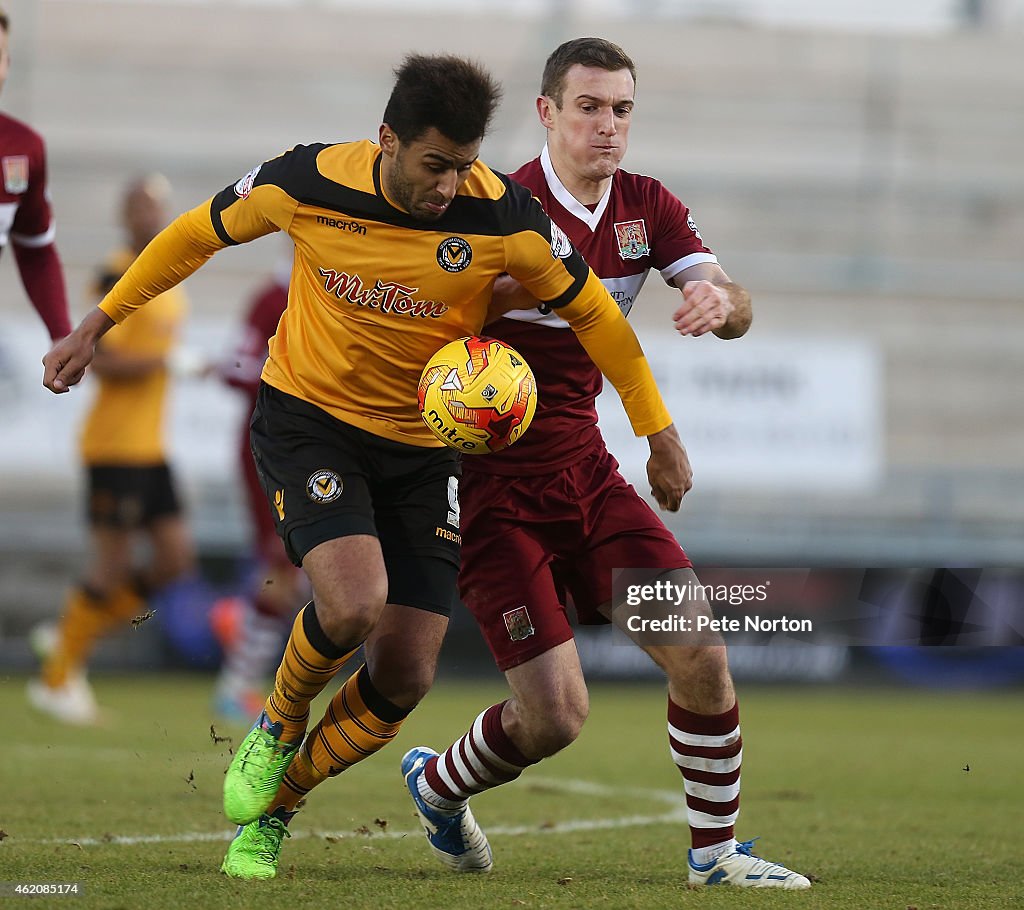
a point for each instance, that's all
(564, 732)
(557, 726)
(349, 613)
(712, 665)
(174, 552)
(405, 687)
(687, 666)
(357, 620)
(401, 675)
(349, 619)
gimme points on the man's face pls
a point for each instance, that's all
(5, 58)
(590, 131)
(422, 176)
(145, 212)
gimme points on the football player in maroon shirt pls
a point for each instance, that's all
(25, 216)
(546, 521)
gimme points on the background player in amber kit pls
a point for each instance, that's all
(25, 216)
(552, 516)
(263, 615)
(366, 498)
(131, 490)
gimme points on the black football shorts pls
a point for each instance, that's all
(327, 479)
(127, 497)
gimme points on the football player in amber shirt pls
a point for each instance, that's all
(25, 216)
(547, 521)
(397, 245)
(131, 493)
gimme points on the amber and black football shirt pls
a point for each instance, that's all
(125, 424)
(375, 292)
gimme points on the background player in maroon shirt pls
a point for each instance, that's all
(262, 619)
(552, 516)
(25, 216)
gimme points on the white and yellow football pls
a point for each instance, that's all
(477, 395)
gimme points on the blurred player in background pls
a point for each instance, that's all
(397, 246)
(131, 491)
(259, 622)
(25, 216)
(551, 516)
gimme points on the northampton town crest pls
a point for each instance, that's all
(632, 239)
(518, 623)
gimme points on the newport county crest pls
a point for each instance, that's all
(322, 486)
(518, 623)
(15, 174)
(632, 239)
(454, 254)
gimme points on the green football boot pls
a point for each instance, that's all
(256, 771)
(254, 851)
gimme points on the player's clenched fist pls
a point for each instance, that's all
(668, 469)
(65, 363)
(706, 307)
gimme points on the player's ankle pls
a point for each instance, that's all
(701, 856)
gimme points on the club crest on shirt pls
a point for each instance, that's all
(692, 225)
(454, 254)
(15, 173)
(518, 623)
(561, 248)
(631, 237)
(244, 186)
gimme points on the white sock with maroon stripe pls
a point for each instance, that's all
(708, 750)
(482, 759)
(256, 653)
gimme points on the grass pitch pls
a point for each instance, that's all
(867, 791)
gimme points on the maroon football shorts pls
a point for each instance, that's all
(531, 545)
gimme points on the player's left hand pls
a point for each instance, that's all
(65, 363)
(668, 469)
(706, 307)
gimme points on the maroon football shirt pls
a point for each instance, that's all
(26, 220)
(638, 225)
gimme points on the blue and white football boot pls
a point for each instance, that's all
(742, 868)
(454, 836)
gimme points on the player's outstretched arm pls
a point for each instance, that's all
(613, 346)
(174, 254)
(65, 363)
(711, 303)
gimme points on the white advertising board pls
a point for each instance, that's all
(767, 413)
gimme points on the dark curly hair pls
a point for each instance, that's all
(455, 96)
